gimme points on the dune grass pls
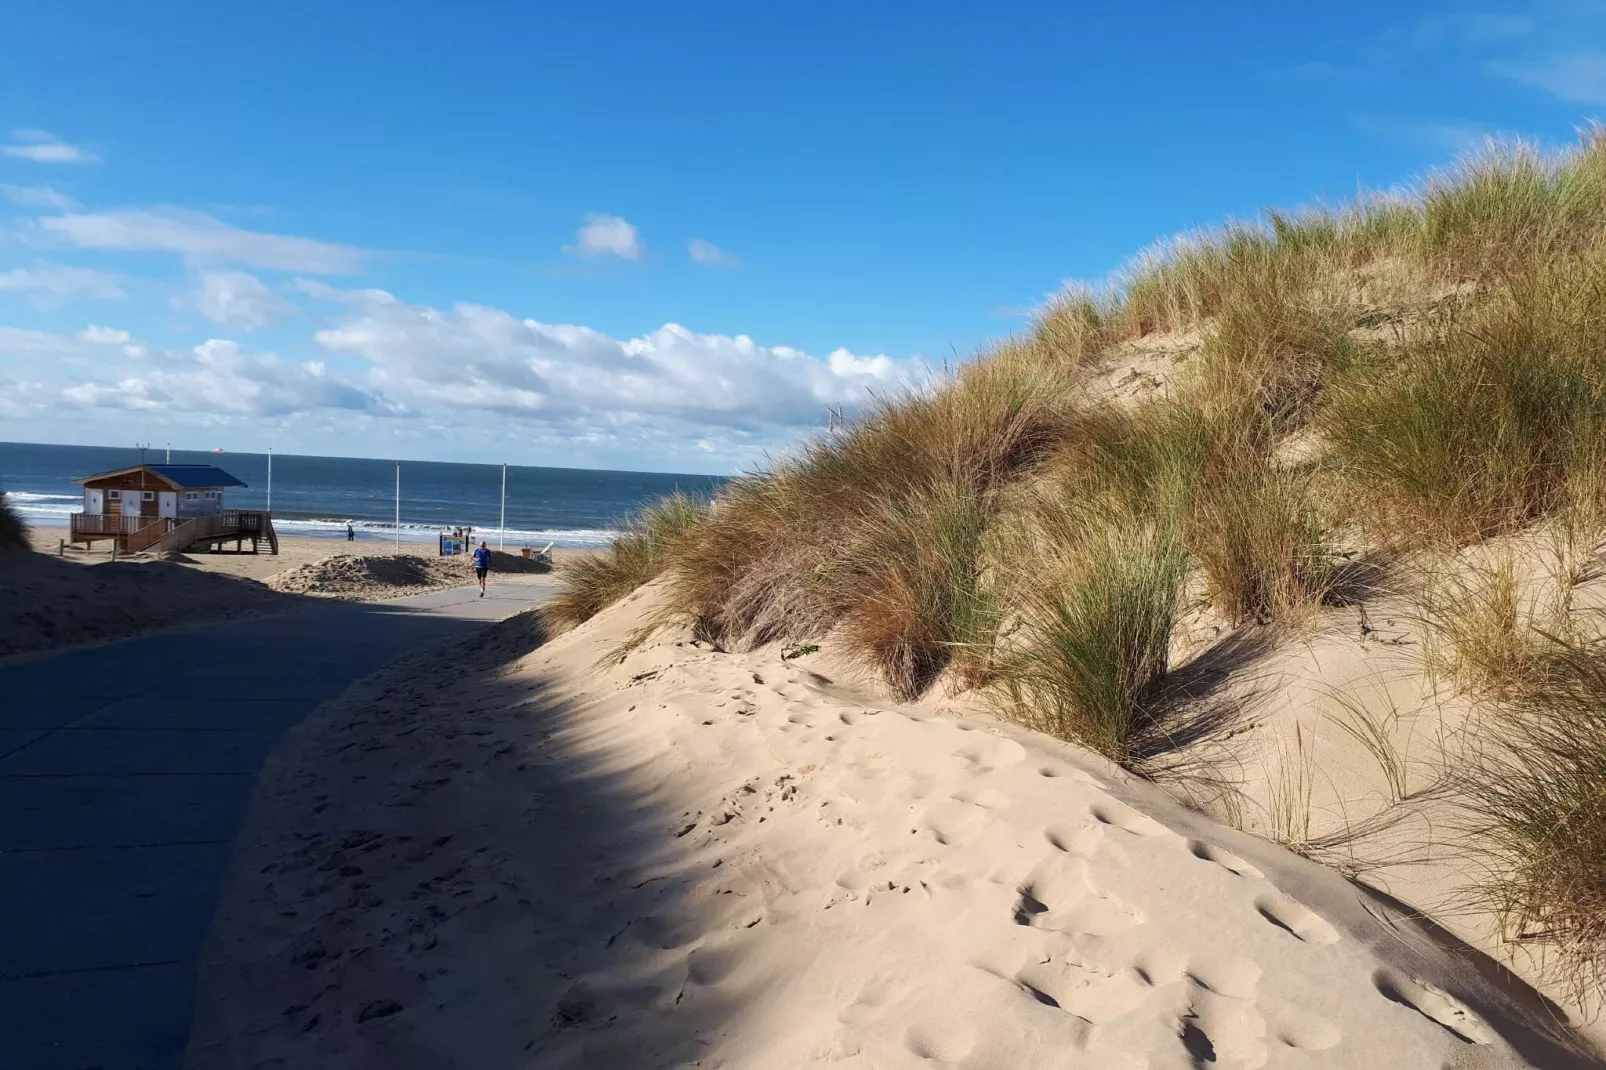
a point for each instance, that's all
(13, 530)
(590, 584)
(1413, 373)
(878, 530)
(1095, 639)
(1489, 418)
(1537, 781)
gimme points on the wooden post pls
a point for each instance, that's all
(61, 551)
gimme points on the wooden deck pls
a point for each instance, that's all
(162, 534)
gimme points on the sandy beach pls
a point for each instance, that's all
(58, 597)
(555, 856)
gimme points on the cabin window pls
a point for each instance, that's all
(189, 496)
(147, 495)
(114, 495)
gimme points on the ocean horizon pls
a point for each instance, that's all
(318, 496)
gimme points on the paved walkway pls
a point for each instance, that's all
(124, 772)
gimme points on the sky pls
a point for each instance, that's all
(663, 237)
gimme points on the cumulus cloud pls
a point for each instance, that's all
(105, 336)
(50, 284)
(18, 341)
(608, 235)
(237, 299)
(38, 197)
(200, 237)
(673, 380)
(706, 252)
(41, 146)
(1576, 77)
(219, 377)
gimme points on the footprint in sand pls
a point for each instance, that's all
(1433, 1004)
(1080, 840)
(1123, 817)
(1300, 920)
(1299, 1028)
(945, 1040)
(1229, 975)
(954, 822)
(1091, 995)
(991, 752)
(1060, 897)
(1223, 858)
(711, 965)
(986, 798)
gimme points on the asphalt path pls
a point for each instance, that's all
(125, 770)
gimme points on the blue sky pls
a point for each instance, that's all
(657, 236)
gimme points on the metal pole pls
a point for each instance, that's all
(502, 530)
(270, 480)
(169, 453)
(398, 507)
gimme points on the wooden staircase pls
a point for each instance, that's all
(173, 534)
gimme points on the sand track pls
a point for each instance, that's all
(695, 858)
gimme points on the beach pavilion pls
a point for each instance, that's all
(167, 507)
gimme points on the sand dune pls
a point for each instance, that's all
(698, 858)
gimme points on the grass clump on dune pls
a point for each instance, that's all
(1538, 784)
(1095, 639)
(878, 530)
(13, 530)
(593, 583)
(1488, 419)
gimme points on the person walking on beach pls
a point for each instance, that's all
(351, 532)
(482, 565)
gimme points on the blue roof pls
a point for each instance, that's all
(183, 476)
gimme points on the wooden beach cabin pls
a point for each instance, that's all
(161, 507)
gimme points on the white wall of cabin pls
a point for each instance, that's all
(94, 502)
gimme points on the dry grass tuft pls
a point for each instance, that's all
(1264, 552)
(13, 530)
(1537, 781)
(591, 584)
(1489, 418)
(1095, 641)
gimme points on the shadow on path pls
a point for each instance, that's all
(124, 772)
(454, 867)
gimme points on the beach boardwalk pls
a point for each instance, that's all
(122, 790)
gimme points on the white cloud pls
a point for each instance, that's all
(608, 235)
(236, 299)
(1451, 136)
(1576, 77)
(1471, 29)
(41, 146)
(105, 336)
(217, 377)
(202, 238)
(50, 284)
(705, 252)
(672, 381)
(15, 340)
(38, 197)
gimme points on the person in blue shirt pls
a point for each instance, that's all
(482, 565)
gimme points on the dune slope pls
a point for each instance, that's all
(688, 857)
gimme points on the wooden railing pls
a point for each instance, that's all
(181, 532)
(175, 532)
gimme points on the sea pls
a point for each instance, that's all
(319, 496)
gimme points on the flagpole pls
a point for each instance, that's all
(398, 507)
(270, 480)
(501, 530)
